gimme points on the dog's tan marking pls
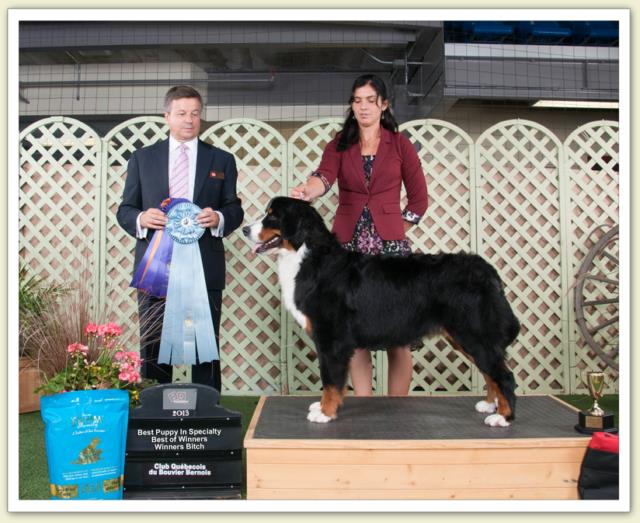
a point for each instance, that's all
(331, 400)
(493, 392)
(266, 234)
(457, 346)
(308, 328)
(286, 244)
(503, 405)
(492, 389)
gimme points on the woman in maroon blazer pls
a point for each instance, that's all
(371, 160)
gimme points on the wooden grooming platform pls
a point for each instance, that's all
(413, 448)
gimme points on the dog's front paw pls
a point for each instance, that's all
(496, 420)
(314, 406)
(316, 416)
(486, 407)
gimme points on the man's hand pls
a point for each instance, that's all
(208, 218)
(153, 219)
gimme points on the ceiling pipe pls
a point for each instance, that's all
(156, 81)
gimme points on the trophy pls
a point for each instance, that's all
(595, 419)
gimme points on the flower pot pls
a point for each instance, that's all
(29, 381)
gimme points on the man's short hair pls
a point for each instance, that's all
(180, 91)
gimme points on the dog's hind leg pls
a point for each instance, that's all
(490, 403)
(505, 395)
(506, 383)
(500, 400)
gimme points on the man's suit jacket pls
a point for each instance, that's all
(396, 163)
(147, 185)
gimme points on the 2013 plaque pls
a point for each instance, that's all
(182, 444)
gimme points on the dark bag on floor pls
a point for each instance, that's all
(599, 472)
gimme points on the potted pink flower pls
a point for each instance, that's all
(98, 362)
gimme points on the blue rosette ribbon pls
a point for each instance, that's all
(171, 268)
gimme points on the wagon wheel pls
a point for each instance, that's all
(596, 297)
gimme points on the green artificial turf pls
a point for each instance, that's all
(608, 403)
(34, 483)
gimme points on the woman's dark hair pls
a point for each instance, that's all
(350, 133)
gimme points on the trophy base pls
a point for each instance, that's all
(588, 423)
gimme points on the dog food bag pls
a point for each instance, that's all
(85, 437)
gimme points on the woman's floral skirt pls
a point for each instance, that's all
(366, 239)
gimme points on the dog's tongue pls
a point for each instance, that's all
(255, 248)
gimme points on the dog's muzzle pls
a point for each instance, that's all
(273, 243)
(252, 233)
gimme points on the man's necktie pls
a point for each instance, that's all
(179, 178)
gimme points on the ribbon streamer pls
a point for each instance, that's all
(152, 274)
(172, 268)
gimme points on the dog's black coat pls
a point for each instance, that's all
(360, 301)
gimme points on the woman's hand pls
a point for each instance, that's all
(308, 191)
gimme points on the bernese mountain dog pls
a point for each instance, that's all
(346, 300)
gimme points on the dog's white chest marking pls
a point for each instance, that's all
(288, 267)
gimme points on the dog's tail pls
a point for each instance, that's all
(514, 327)
(512, 324)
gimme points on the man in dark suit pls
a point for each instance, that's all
(211, 185)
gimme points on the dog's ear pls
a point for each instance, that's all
(291, 228)
(297, 224)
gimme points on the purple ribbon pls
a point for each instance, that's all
(152, 274)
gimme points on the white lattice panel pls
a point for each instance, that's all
(305, 148)
(532, 215)
(251, 333)
(446, 155)
(519, 230)
(119, 247)
(592, 167)
(59, 200)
